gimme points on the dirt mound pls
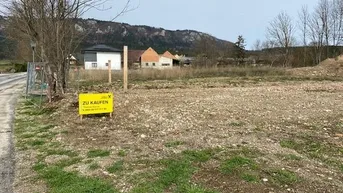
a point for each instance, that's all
(328, 67)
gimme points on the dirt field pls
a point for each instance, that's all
(256, 137)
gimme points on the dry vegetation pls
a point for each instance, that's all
(176, 73)
(191, 134)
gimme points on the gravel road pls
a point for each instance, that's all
(10, 87)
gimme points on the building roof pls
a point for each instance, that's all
(102, 48)
(167, 54)
(134, 55)
(150, 55)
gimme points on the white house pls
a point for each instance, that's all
(97, 57)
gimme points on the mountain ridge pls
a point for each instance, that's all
(143, 36)
(139, 37)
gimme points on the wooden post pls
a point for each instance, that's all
(125, 68)
(109, 72)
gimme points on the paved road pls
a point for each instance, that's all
(10, 87)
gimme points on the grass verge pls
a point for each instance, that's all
(35, 132)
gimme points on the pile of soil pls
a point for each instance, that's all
(328, 67)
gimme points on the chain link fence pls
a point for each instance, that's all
(36, 84)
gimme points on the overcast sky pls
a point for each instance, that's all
(225, 19)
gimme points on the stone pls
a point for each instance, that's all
(143, 136)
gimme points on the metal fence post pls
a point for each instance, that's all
(27, 79)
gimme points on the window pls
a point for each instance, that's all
(94, 65)
(90, 57)
(153, 64)
(146, 64)
(165, 64)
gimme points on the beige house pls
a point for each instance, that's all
(151, 59)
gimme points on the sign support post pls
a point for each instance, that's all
(125, 67)
(109, 72)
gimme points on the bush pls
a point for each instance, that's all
(20, 67)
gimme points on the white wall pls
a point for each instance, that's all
(102, 59)
(164, 60)
(150, 64)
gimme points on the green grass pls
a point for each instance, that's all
(27, 135)
(35, 142)
(60, 181)
(56, 151)
(291, 144)
(173, 144)
(245, 152)
(242, 167)
(35, 111)
(236, 124)
(39, 166)
(176, 174)
(88, 161)
(315, 148)
(199, 156)
(116, 167)
(283, 176)
(289, 157)
(98, 153)
(68, 162)
(237, 164)
(45, 128)
(94, 166)
(250, 177)
(47, 136)
(122, 153)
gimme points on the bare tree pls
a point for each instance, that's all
(319, 30)
(207, 51)
(317, 37)
(257, 45)
(335, 18)
(51, 24)
(323, 11)
(281, 31)
(304, 17)
(336, 24)
(270, 51)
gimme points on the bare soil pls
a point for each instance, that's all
(259, 116)
(254, 116)
(331, 67)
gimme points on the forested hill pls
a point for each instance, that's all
(135, 36)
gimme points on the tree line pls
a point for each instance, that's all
(307, 40)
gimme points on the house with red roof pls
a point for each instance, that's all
(166, 60)
(151, 59)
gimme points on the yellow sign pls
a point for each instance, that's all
(95, 103)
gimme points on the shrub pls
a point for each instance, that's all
(20, 67)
